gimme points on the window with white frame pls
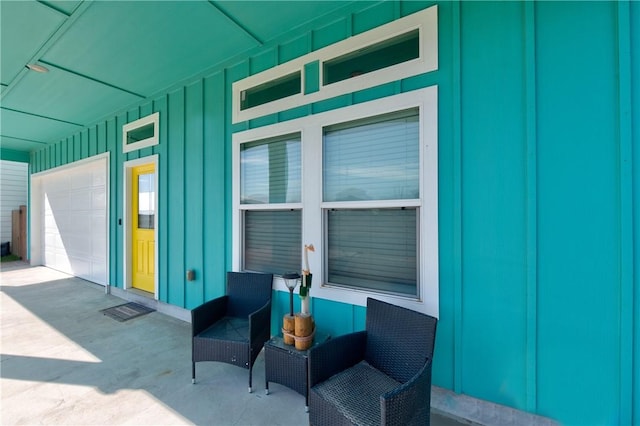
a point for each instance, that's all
(270, 194)
(369, 246)
(361, 184)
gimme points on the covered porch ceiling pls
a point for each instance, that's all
(105, 56)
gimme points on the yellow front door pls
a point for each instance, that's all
(143, 215)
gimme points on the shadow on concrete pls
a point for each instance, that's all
(64, 362)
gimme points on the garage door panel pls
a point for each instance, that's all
(81, 267)
(81, 223)
(50, 224)
(86, 175)
(97, 251)
(98, 220)
(62, 263)
(58, 243)
(49, 240)
(99, 178)
(49, 257)
(81, 199)
(76, 245)
(99, 200)
(57, 222)
(58, 185)
(58, 202)
(98, 269)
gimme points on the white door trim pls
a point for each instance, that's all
(126, 231)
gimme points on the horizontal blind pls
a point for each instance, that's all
(376, 159)
(270, 171)
(272, 241)
(374, 249)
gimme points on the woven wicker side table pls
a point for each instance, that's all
(286, 365)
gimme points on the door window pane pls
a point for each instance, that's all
(146, 201)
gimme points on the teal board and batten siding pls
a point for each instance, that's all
(539, 163)
(192, 212)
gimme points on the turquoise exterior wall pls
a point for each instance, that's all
(539, 168)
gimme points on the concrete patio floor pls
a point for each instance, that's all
(64, 362)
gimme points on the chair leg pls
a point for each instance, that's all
(193, 373)
(250, 371)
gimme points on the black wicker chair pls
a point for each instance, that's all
(381, 376)
(234, 327)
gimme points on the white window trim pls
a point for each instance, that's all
(153, 140)
(311, 129)
(426, 21)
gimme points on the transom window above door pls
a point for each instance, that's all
(270, 198)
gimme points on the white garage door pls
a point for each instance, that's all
(73, 221)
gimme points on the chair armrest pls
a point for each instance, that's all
(335, 355)
(409, 403)
(208, 313)
(260, 324)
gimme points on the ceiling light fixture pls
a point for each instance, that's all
(37, 68)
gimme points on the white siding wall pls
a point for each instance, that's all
(13, 193)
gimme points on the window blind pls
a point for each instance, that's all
(272, 241)
(374, 159)
(374, 249)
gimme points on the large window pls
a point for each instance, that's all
(359, 183)
(371, 247)
(270, 178)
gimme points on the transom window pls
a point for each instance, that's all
(141, 133)
(387, 53)
(400, 49)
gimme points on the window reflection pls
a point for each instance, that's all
(140, 134)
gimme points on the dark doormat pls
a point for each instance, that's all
(126, 312)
